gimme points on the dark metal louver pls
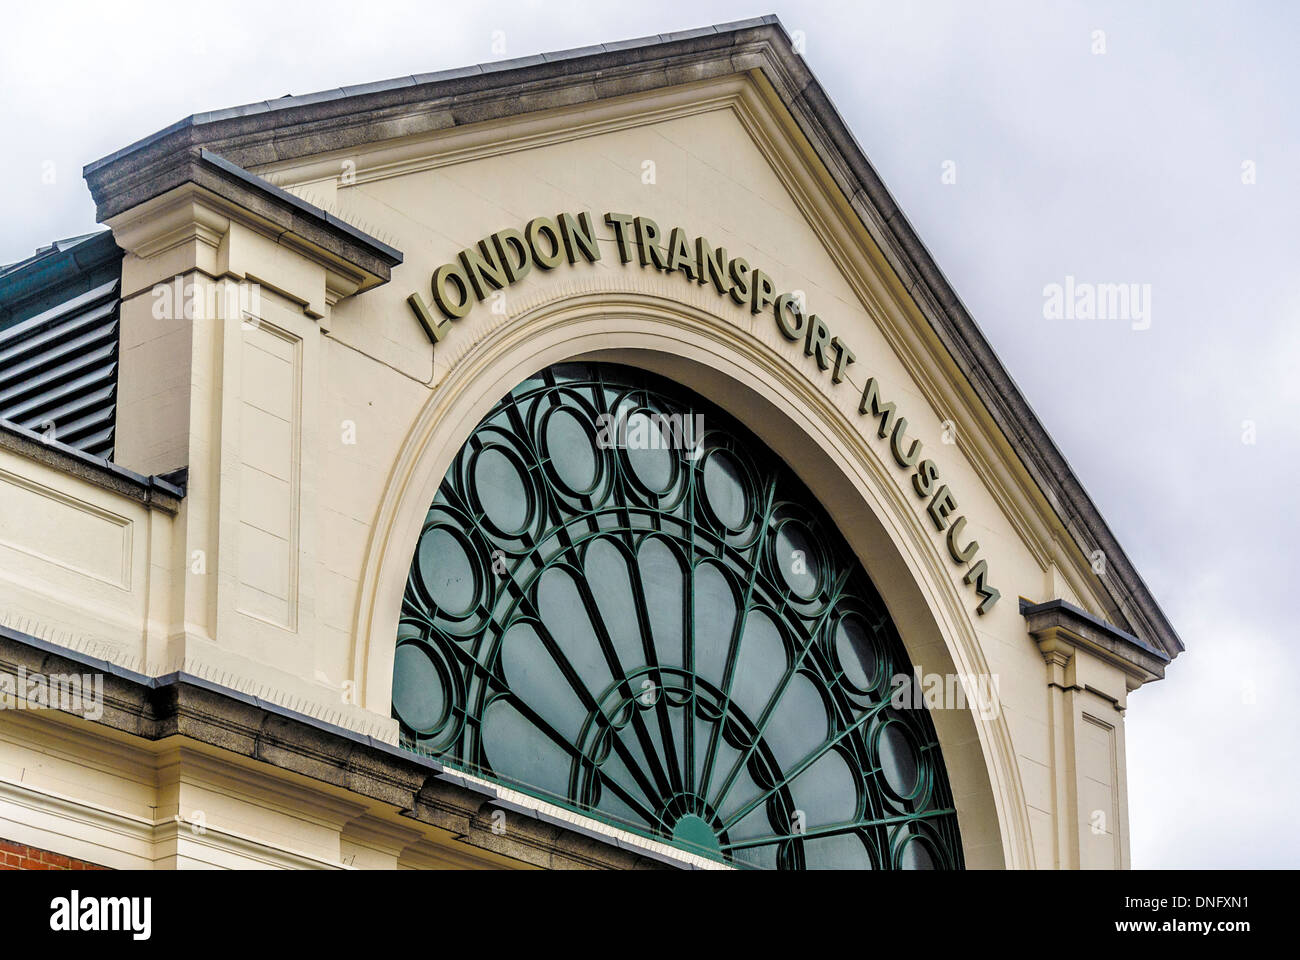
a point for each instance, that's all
(58, 371)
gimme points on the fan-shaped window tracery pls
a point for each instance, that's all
(622, 602)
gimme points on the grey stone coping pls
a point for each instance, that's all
(116, 190)
(622, 48)
(256, 183)
(1120, 644)
(157, 492)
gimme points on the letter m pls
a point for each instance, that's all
(978, 575)
(116, 913)
(871, 405)
(1113, 301)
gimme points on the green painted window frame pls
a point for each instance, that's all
(544, 644)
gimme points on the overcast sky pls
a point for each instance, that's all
(1122, 166)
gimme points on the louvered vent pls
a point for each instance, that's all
(58, 371)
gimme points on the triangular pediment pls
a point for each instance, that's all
(735, 99)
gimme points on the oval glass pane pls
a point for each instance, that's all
(900, 764)
(796, 559)
(572, 451)
(647, 445)
(420, 694)
(502, 490)
(449, 573)
(856, 653)
(724, 489)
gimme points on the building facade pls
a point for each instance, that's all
(571, 461)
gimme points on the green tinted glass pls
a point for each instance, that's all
(623, 603)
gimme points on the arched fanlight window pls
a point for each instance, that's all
(622, 602)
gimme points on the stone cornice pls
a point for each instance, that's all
(156, 493)
(288, 218)
(1059, 626)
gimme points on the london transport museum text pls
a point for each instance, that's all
(508, 255)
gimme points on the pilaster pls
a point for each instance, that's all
(1091, 667)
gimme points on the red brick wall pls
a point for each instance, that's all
(19, 856)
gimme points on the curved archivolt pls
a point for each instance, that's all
(624, 603)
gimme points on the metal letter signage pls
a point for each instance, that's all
(509, 255)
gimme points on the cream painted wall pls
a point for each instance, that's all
(82, 566)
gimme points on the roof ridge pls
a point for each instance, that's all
(54, 247)
(291, 101)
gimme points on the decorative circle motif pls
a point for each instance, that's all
(449, 571)
(917, 854)
(856, 654)
(501, 488)
(682, 646)
(899, 759)
(796, 556)
(421, 692)
(571, 454)
(725, 492)
(647, 448)
(917, 849)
